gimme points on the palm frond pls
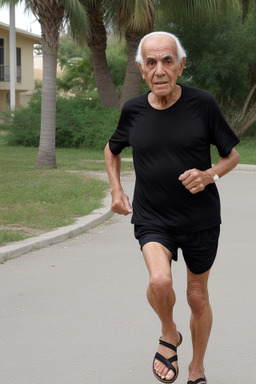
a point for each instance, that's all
(136, 15)
(142, 18)
(76, 14)
(196, 10)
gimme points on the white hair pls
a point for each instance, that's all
(180, 50)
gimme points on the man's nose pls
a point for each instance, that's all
(159, 69)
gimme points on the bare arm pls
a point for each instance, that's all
(120, 201)
(196, 181)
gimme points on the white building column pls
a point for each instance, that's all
(12, 39)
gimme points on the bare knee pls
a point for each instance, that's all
(160, 285)
(197, 297)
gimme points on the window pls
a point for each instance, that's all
(18, 63)
(18, 57)
(1, 51)
(1, 59)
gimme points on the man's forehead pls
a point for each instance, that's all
(159, 45)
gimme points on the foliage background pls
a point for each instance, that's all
(80, 123)
(221, 57)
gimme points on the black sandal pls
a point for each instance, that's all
(167, 362)
(197, 381)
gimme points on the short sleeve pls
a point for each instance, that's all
(221, 134)
(120, 138)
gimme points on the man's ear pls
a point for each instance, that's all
(182, 65)
(141, 70)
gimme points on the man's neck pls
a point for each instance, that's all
(166, 101)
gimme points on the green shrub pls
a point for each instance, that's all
(84, 123)
(25, 123)
(80, 123)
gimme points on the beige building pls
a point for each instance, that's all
(24, 86)
(38, 67)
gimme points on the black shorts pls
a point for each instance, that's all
(199, 248)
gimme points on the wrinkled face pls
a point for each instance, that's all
(161, 66)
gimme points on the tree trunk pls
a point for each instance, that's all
(246, 126)
(50, 15)
(131, 87)
(248, 99)
(46, 155)
(105, 87)
(97, 43)
(245, 9)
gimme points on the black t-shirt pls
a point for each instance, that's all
(165, 144)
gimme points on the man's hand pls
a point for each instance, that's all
(120, 203)
(195, 181)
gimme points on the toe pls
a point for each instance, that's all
(170, 375)
(164, 373)
(160, 369)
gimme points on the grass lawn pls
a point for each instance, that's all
(34, 201)
(246, 149)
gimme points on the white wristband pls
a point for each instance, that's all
(215, 178)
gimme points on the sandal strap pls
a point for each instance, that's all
(197, 381)
(168, 345)
(167, 362)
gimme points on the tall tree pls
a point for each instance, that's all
(97, 42)
(51, 14)
(130, 18)
(133, 19)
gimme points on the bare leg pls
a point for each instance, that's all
(161, 297)
(200, 322)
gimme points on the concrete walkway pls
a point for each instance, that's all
(76, 312)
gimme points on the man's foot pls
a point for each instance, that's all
(165, 367)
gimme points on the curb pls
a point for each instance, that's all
(58, 235)
(245, 167)
(82, 225)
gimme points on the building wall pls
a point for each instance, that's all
(26, 43)
(38, 67)
(4, 86)
(27, 64)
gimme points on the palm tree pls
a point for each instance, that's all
(97, 42)
(133, 19)
(51, 15)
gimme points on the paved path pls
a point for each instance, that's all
(76, 312)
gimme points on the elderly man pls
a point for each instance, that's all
(176, 202)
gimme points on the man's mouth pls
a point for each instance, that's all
(160, 82)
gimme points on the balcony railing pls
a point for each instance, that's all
(5, 73)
